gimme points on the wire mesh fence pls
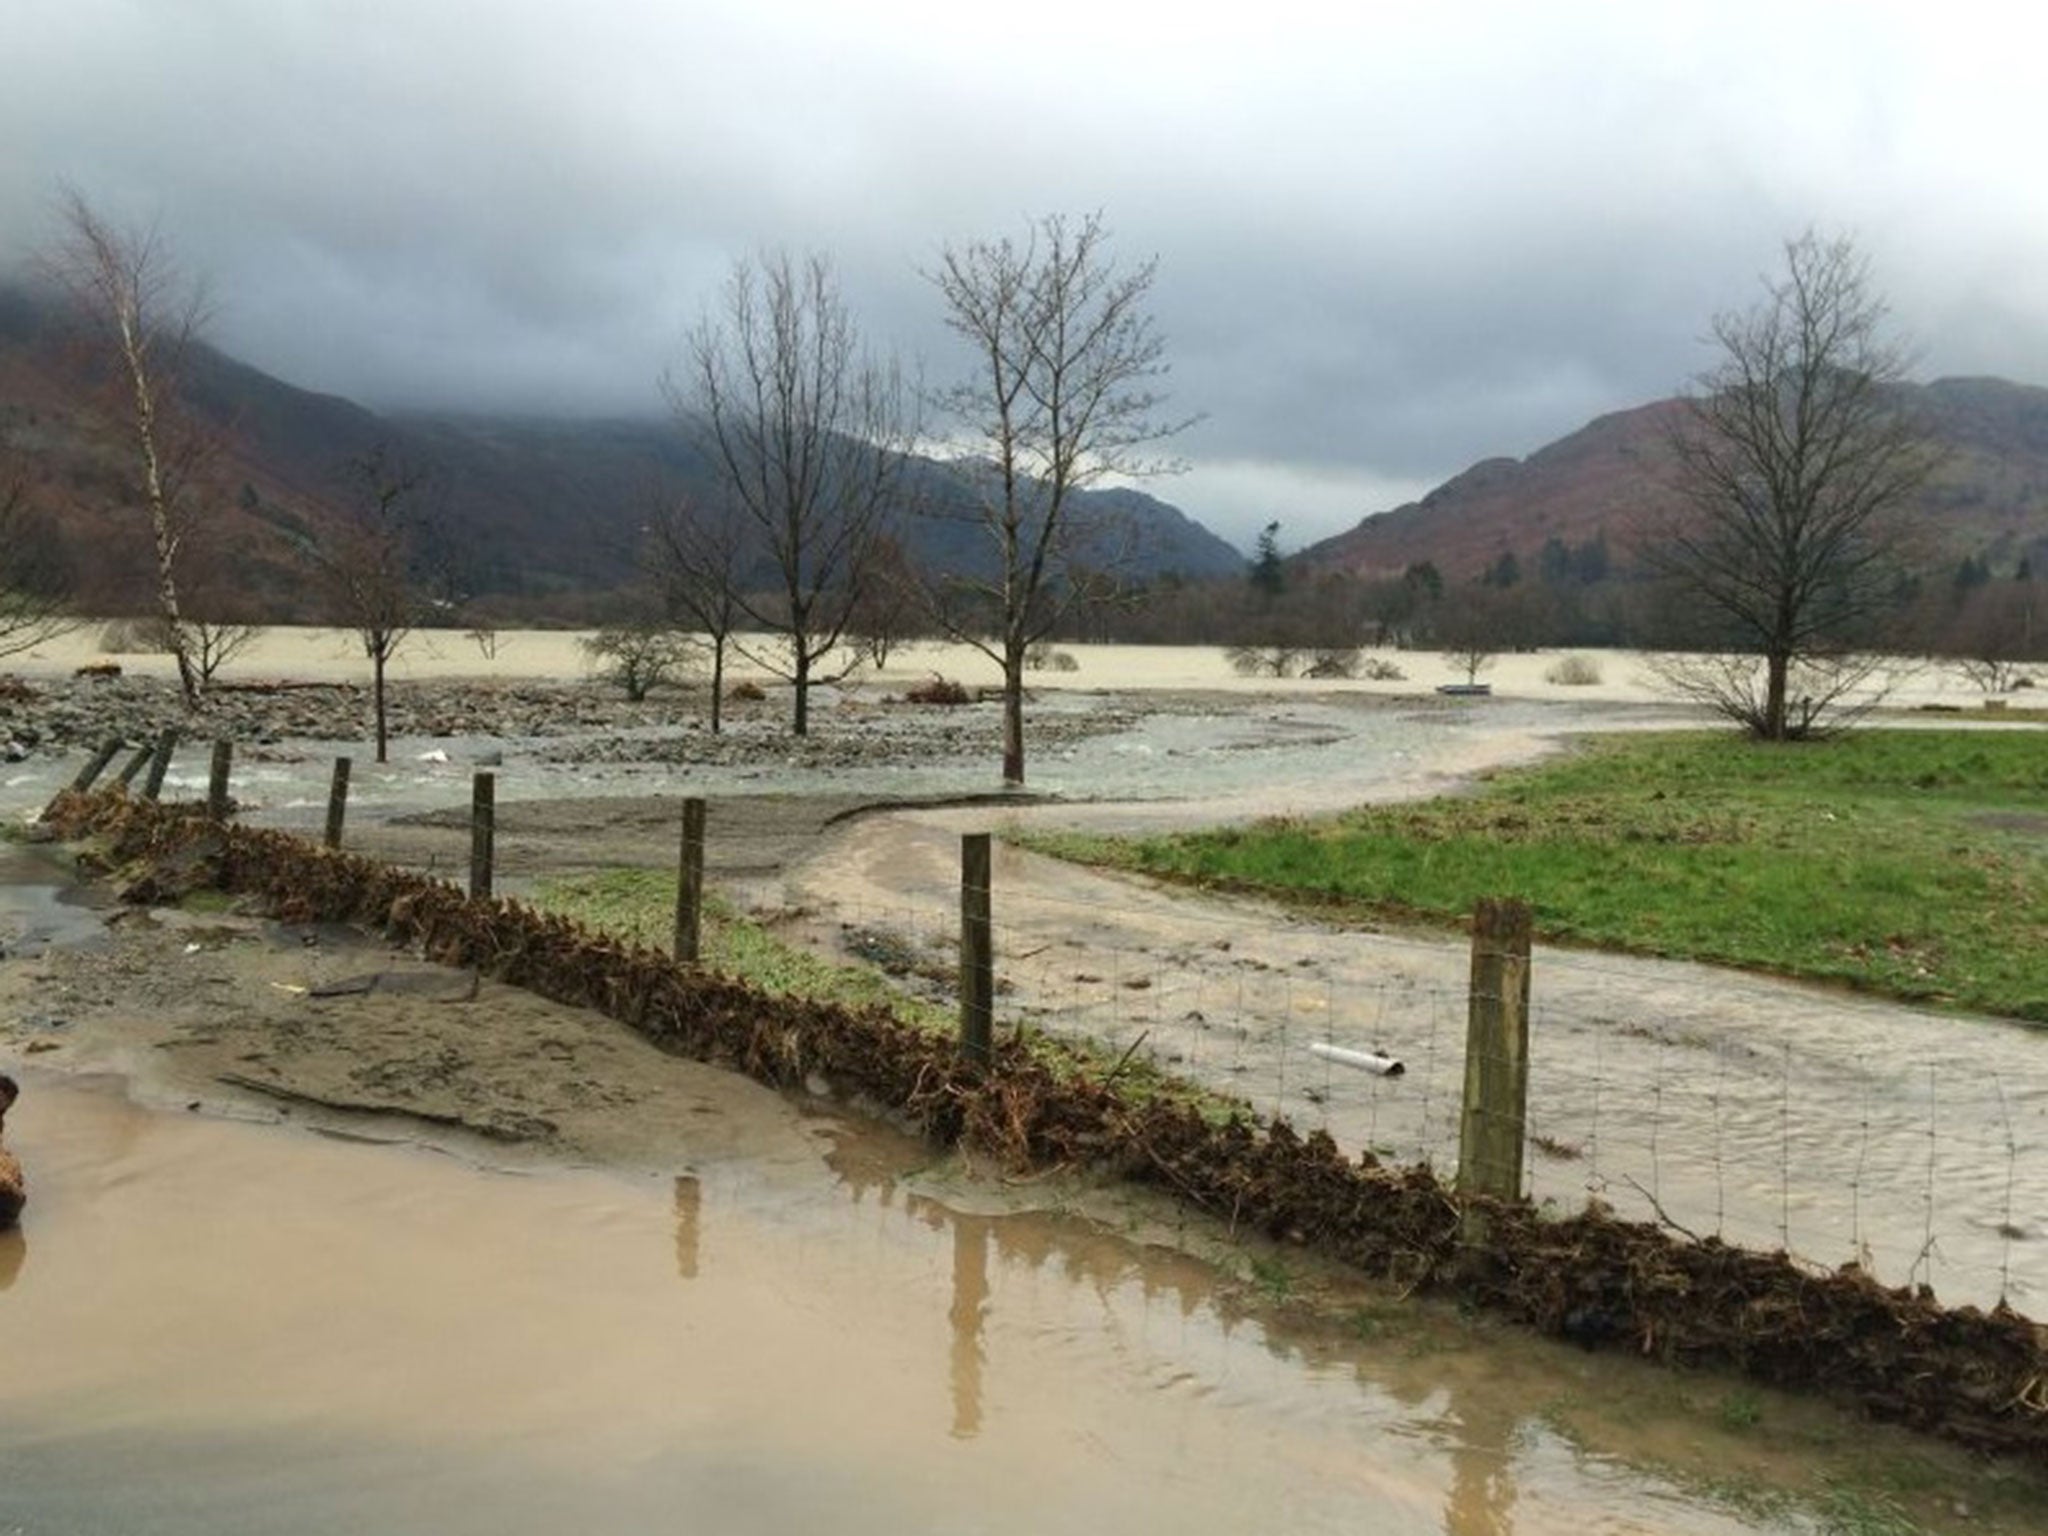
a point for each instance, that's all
(1725, 1107)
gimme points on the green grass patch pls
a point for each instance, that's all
(1908, 863)
(638, 906)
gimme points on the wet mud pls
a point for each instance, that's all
(226, 1328)
(1975, 1377)
(1530, 1442)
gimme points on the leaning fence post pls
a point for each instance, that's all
(159, 765)
(483, 827)
(337, 802)
(217, 780)
(93, 769)
(690, 883)
(86, 775)
(977, 951)
(134, 764)
(1495, 1116)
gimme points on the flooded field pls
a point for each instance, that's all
(684, 1295)
(221, 1327)
(1771, 1114)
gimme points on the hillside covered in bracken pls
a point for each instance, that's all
(1611, 480)
(533, 517)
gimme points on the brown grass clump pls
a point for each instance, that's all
(941, 691)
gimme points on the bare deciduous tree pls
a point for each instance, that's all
(639, 654)
(214, 604)
(1469, 630)
(808, 436)
(1063, 392)
(696, 559)
(887, 612)
(1995, 633)
(1795, 465)
(35, 577)
(144, 318)
(367, 565)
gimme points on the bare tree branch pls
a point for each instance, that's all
(1064, 392)
(696, 557)
(367, 565)
(1795, 463)
(144, 318)
(35, 576)
(808, 436)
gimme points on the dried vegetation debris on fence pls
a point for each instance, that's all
(1977, 1377)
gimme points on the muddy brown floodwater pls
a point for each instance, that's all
(438, 1256)
(220, 1327)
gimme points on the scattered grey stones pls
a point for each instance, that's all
(886, 735)
(68, 715)
(575, 723)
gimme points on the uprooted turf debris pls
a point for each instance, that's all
(1977, 1377)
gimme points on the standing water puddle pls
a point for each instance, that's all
(211, 1326)
(42, 907)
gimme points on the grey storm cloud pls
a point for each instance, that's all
(1391, 239)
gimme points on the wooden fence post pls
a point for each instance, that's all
(134, 764)
(690, 883)
(86, 775)
(483, 828)
(159, 765)
(217, 780)
(1495, 1118)
(337, 802)
(977, 951)
(95, 766)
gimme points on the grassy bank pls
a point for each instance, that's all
(1910, 863)
(638, 905)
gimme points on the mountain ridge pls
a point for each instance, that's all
(1612, 479)
(548, 510)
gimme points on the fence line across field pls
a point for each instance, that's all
(1944, 1175)
(1933, 1182)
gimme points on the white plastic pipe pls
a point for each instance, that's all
(1365, 1061)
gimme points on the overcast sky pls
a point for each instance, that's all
(1392, 238)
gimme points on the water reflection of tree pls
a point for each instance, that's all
(968, 1313)
(1480, 1499)
(1085, 1255)
(13, 1254)
(689, 1212)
